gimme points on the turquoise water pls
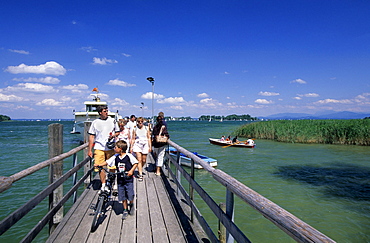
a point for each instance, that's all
(327, 186)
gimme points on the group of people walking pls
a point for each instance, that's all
(134, 140)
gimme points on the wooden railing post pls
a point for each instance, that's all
(74, 177)
(178, 173)
(87, 167)
(191, 190)
(229, 212)
(221, 227)
(55, 142)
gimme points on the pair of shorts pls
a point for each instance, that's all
(100, 156)
(126, 191)
(141, 148)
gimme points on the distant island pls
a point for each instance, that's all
(4, 118)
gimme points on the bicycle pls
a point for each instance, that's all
(104, 197)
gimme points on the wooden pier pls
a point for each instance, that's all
(155, 219)
(164, 210)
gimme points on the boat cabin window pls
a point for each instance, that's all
(90, 108)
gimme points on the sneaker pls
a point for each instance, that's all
(140, 177)
(132, 209)
(124, 215)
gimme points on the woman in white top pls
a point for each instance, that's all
(141, 144)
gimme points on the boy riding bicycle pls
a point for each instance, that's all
(125, 163)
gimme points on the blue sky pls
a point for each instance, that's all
(207, 57)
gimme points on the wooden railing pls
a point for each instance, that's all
(290, 224)
(56, 202)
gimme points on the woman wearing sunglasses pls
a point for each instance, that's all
(141, 144)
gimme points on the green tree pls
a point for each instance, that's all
(4, 118)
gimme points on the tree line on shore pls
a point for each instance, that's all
(350, 132)
(4, 118)
(232, 117)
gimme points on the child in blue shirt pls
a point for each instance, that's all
(125, 163)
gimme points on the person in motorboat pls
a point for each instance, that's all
(222, 138)
(250, 142)
(235, 140)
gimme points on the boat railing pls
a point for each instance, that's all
(290, 224)
(56, 183)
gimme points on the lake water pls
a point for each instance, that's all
(327, 186)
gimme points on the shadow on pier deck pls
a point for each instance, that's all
(158, 217)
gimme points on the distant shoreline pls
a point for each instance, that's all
(41, 120)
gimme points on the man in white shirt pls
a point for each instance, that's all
(102, 129)
(131, 124)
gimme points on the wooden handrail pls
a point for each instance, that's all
(15, 216)
(6, 182)
(290, 224)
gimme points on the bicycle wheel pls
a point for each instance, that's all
(98, 213)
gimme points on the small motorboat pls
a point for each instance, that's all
(186, 161)
(220, 142)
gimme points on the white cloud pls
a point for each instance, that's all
(31, 87)
(299, 81)
(327, 101)
(263, 101)
(172, 100)
(268, 93)
(126, 55)
(49, 102)
(226, 73)
(46, 80)
(10, 98)
(148, 96)
(203, 95)
(117, 82)
(297, 98)
(310, 95)
(177, 107)
(363, 96)
(20, 51)
(103, 61)
(210, 102)
(120, 102)
(88, 48)
(206, 100)
(75, 87)
(49, 68)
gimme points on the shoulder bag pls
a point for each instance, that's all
(161, 138)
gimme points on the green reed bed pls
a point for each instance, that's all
(352, 132)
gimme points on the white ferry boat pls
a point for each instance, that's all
(90, 113)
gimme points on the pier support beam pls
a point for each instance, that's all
(55, 142)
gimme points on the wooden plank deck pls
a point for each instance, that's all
(159, 216)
